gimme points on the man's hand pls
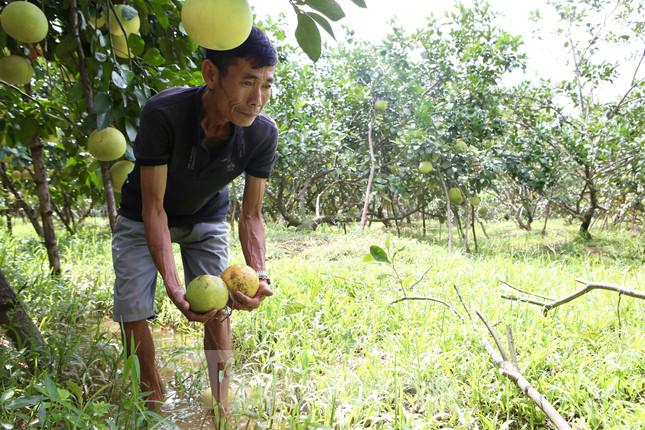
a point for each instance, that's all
(178, 297)
(243, 302)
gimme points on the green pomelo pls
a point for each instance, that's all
(129, 18)
(107, 144)
(24, 21)
(119, 173)
(454, 194)
(205, 293)
(16, 70)
(425, 167)
(482, 211)
(16, 174)
(461, 146)
(380, 105)
(475, 201)
(217, 24)
(242, 278)
(120, 46)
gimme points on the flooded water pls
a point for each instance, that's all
(182, 367)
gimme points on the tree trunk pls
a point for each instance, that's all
(472, 225)
(547, 212)
(423, 218)
(587, 216)
(89, 108)
(46, 213)
(370, 179)
(19, 328)
(28, 210)
(448, 213)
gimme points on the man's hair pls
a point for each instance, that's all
(257, 49)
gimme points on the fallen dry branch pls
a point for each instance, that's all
(588, 286)
(510, 370)
(430, 299)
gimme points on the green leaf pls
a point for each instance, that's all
(329, 8)
(130, 130)
(102, 103)
(118, 79)
(379, 254)
(24, 402)
(153, 57)
(7, 395)
(321, 21)
(368, 259)
(136, 44)
(308, 36)
(359, 3)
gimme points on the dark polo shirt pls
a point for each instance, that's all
(198, 175)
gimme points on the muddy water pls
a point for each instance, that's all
(182, 367)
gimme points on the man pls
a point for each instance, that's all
(191, 143)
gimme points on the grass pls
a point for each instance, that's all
(328, 350)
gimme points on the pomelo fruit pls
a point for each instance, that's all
(425, 167)
(119, 173)
(380, 105)
(475, 200)
(482, 211)
(120, 46)
(242, 278)
(454, 194)
(107, 144)
(16, 70)
(24, 21)
(206, 292)
(461, 146)
(217, 24)
(129, 18)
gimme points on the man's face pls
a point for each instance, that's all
(243, 92)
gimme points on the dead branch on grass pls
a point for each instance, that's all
(588, 286)
(430, 299)
(511, 371)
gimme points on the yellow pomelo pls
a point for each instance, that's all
(129, 18)
(15, 70)
(119, 173)
(217, 24)
(120, 46)
(242, 278)
(24, 21)
(425, 167)
(107, 144)
(454, 194)
(205, 293)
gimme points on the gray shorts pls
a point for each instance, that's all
(204, 250)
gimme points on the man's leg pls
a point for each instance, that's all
(137, 335)
(134, 291)
(218, 345)
(204, 250)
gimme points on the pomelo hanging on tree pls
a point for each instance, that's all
(455, 196)
(15, 70)
(129, 18)
(217, 24)
(24, 21)
(119, 172)
(107, 144)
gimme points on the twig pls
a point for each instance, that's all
(525, 292)
(430, 299)
(511, 371)
(588, 287)
(620, 325)
(461, 299)
(511, 345)
(38, 102)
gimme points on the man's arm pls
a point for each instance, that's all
(251, 230)
(155, 222)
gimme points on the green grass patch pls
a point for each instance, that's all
(329, 350)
